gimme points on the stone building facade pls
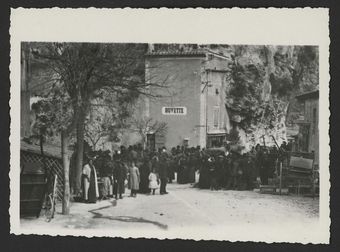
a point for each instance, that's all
(192, 103)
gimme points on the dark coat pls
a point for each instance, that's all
(182, 175)
(144, 176)
(119, 176)
(204, 175)
(163, 166)
(120, 171)
(92, 188)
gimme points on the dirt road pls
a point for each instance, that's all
(190, 211)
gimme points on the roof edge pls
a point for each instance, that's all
(309, 94)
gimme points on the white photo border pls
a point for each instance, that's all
(262, 26)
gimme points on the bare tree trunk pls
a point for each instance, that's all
(66, 169)
(80, 151)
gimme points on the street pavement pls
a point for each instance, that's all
(186, 209)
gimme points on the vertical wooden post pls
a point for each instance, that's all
(66, 172)
(280, 177)
(313, 177)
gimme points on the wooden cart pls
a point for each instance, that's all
(299, 176)
(295, 174)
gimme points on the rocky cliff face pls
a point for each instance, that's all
(263, 83)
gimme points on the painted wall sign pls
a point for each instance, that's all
(174, 110)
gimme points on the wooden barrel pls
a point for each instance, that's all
(32, 189)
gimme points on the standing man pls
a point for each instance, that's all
(250, 174)
(119, 176)
(204, 174)
(163, 171)
(228, 172)
(264, 168)
(212, 173)
(258, 160)
(106, 175)
(191, 166)
(145, 168)
(182, 164)
(172, 165)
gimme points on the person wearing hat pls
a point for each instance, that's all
(213, 173)
(163, 170)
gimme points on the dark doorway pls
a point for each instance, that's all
(215, 140)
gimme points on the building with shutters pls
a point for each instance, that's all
(193, 102)
(308, 137)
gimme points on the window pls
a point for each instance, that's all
(216, 115)
(150, 141)
(186, 142)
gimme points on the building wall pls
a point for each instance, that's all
(216, 102)
(312, 117)
(182, 76)
(217, 119)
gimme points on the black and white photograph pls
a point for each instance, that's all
(163, 140)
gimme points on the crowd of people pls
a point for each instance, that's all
(236, 171)
(145, 171)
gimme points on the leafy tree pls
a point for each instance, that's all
(88, 71)
(41, 126)
(52, 117)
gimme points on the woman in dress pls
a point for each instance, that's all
(134, 179)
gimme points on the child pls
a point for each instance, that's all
(153, 181)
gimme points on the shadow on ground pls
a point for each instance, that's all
(97, 215)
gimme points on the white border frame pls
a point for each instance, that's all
(300, 26)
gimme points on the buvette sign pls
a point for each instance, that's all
(174, 110)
